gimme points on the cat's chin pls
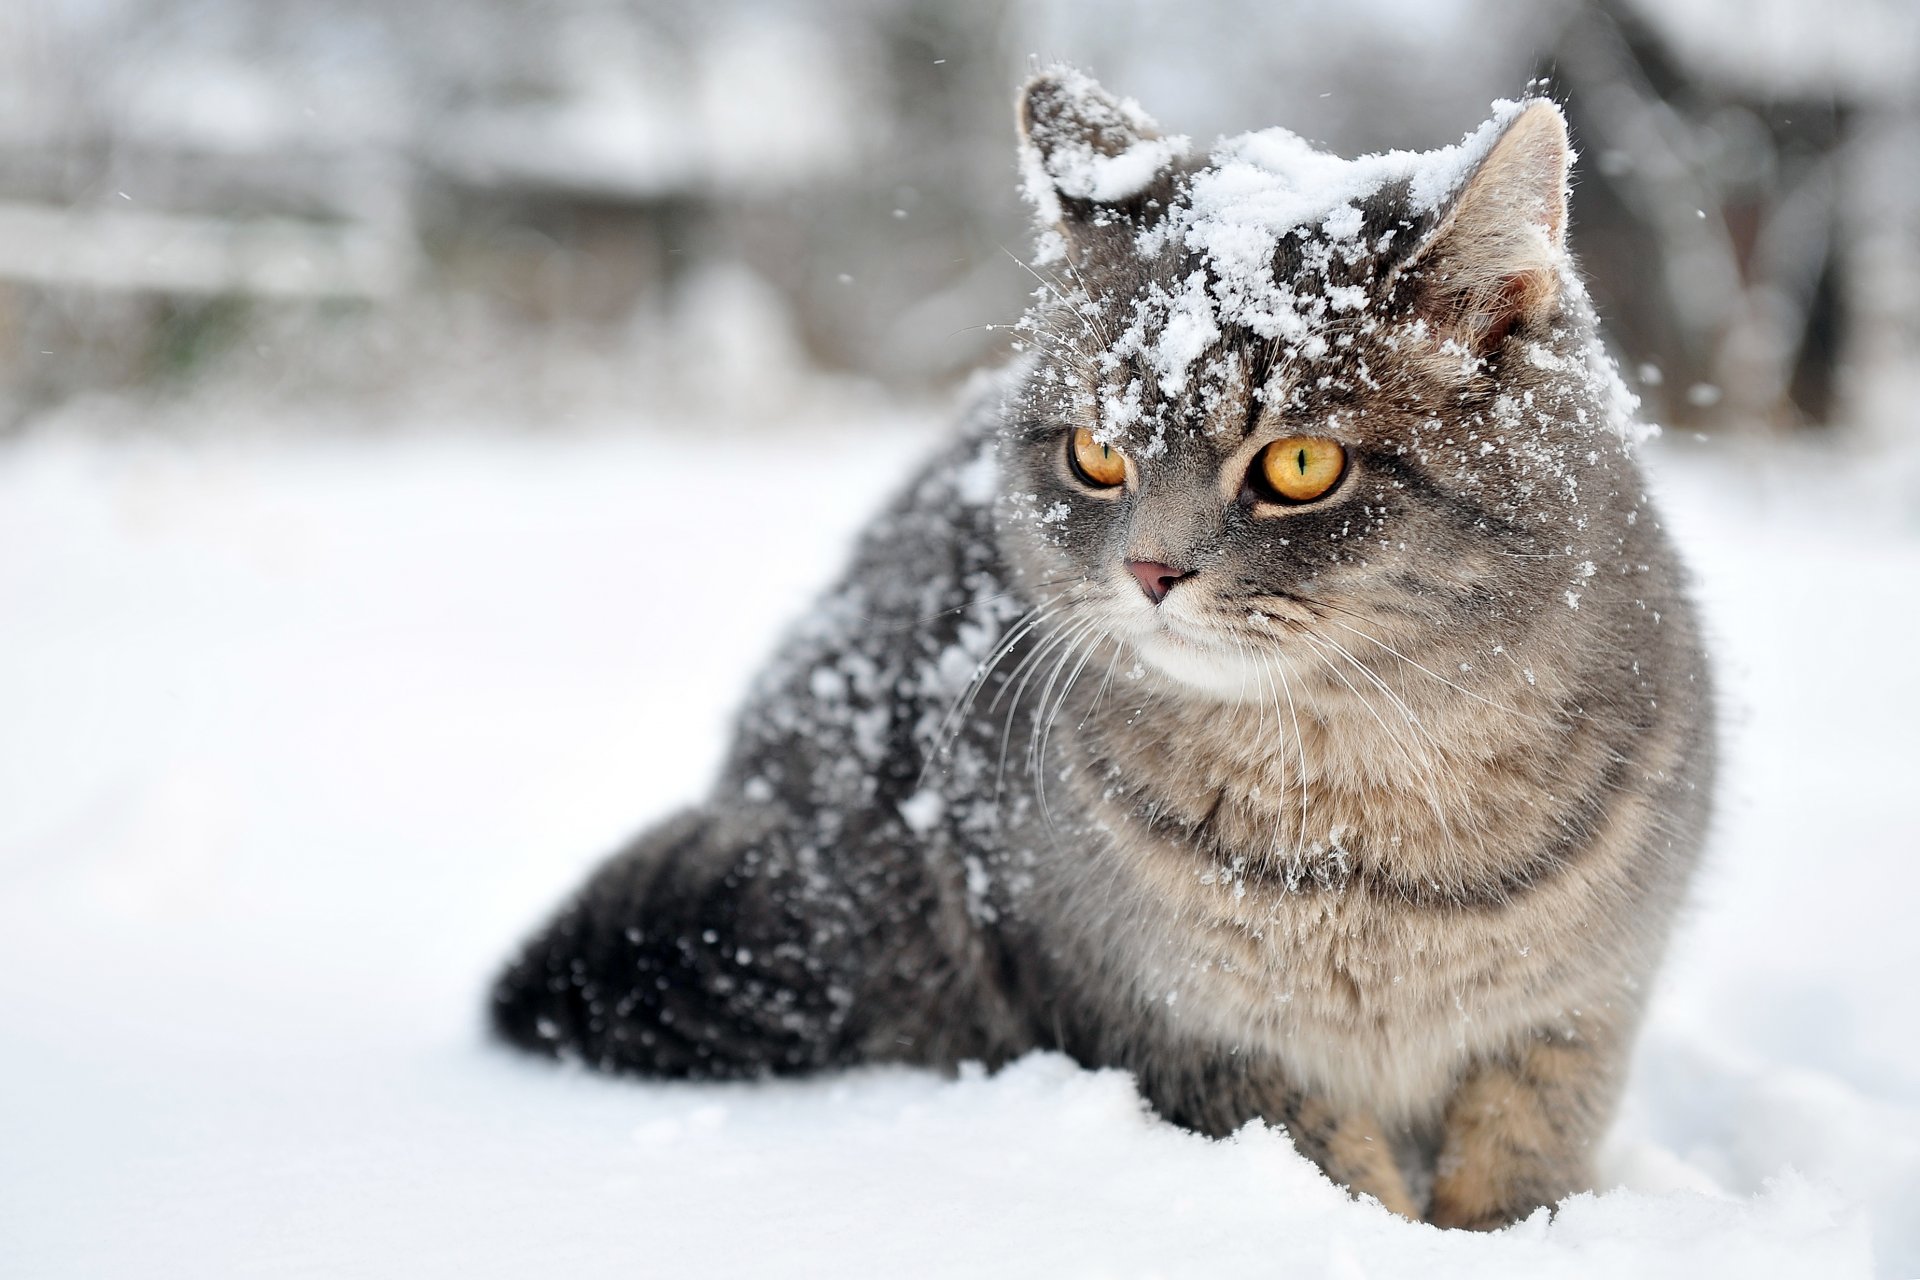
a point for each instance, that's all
(1207, 669)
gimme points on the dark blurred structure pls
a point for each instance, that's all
(715, 201)
(1748, 223)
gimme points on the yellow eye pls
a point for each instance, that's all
(1298, 469)
(1100, 465)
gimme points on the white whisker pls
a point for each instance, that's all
(1029, 665)
(1512, 711)
(1300, 746)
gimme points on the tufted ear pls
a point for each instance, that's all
(1493, 263)
(1091, 161)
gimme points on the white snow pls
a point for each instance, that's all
(1255, 190)
(922, 810)
(301, 735)
(1072, 167)
(1262, 186)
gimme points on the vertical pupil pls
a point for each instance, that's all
(1303, 461)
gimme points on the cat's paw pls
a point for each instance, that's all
(1459, 1216)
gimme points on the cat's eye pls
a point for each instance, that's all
(1298, 469)
(1098, 465)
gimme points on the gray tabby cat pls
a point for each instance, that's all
(1282, 691)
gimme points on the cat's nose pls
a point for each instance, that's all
(1155, 579)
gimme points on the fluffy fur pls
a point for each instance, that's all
(1374, 827)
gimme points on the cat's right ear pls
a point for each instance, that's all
(1092, 164)
(1495, 260)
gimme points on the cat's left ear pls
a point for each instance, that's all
(1092, 163)
(1494, 261)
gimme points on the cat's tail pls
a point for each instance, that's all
(675, 959)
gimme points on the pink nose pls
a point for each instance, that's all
(1155, 579)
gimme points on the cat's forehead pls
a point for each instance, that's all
(1252, 288)
(1175, 381)
(1239, 390)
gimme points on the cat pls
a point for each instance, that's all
(1282, 689)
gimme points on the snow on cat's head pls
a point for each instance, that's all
(1275, 401)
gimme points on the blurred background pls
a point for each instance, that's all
(534, 209)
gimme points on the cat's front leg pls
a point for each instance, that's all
(1521, 1127)
(1353, 1150)
(1348, 1144)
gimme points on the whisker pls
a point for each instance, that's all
(1240, 697)
(957, 714)
(954, 720)
(1024, 664)
(1040, 757)
(914, 624)
(1422, 763)
(1106, 338)
(1063, 655)
(1277, 852)
(1300, 745)
(1030, 666)
(1411, 717)
(1512, 711)
(1059, 295)
(1100, 694)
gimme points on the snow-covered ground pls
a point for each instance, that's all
(300, 735)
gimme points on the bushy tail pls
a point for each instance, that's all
(677, 959)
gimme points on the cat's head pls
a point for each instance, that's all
(1274, 399)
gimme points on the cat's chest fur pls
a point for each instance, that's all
(1309, 886)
